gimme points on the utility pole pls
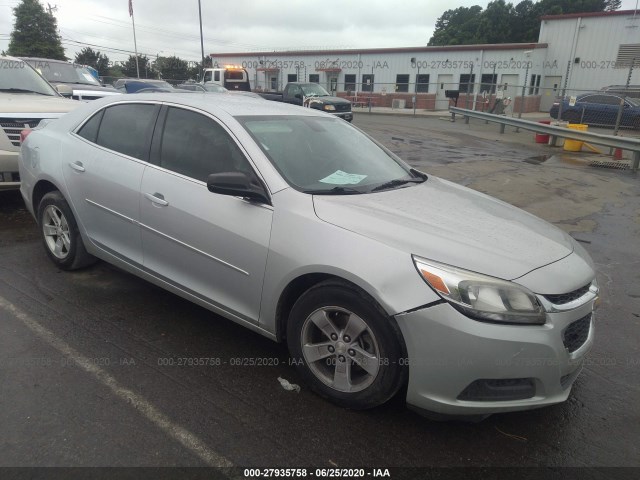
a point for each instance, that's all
(201, 39)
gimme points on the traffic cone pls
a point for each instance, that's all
(617, 154)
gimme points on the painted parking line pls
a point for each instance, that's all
(187, 439)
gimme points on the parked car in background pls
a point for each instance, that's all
(632, 91)
(25, 99)
(313, 96)
(82, 82)
(300, 227)
(599, 109)
(132, 85)
(198, 87)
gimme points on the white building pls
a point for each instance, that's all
(579, 51)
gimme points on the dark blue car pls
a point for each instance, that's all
(599, 108)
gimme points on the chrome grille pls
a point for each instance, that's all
(13, 128)
(563, 298)
(576, 333)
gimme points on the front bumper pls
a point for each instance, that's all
(9, 177)
(447, 352)
(348, 116)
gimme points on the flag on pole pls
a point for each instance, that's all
(131, 8)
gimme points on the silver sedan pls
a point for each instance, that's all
(297, 225)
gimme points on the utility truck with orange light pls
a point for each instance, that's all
(231, 77)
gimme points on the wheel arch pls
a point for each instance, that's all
(40, 189)
(300, 284)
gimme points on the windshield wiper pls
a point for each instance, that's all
(335, 191)
(396, 183)
(22, 90)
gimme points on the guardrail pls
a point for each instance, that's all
(623, 143)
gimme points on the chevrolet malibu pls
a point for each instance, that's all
(297, 225)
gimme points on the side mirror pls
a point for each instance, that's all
(298, 96)
(237, 184)
(64, 90)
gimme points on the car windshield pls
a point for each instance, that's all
(313, 89)
(327, 155)
(17, 76)
(64, 72)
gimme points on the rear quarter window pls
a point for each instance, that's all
(89, 130)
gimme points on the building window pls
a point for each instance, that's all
(292, 77)
(467, 82)
(422, 83)
(534, 86)
(314, 77)
(349, 83)
(488, 83)
(274, 83)
(367, 82)
(402, 83)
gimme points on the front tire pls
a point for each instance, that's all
(60, 234)
(344, 345)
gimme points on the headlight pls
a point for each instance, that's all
(481, 297)
(329, 107)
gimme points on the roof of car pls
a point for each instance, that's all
(38, 59)
(234, 105)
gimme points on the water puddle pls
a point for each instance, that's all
(538, 159)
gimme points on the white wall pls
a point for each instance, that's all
(595, 41)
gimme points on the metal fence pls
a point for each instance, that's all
(554, 132)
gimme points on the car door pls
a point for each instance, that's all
(103, 175)
(212, 246)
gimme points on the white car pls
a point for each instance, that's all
(25, 99)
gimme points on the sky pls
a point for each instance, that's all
(169, 27)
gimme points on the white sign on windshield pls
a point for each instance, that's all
(343, 178)
(572, 101)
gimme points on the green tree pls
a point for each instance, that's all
(457, 27)
(501, 22)
(612, 5)
(495, 23)
(35, 33)
(146, 69)
(97, 60)
(172, 68)
(525, 22)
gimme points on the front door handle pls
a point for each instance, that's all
(157, 198)
(77, 166)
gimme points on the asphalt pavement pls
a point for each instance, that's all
(100, 368)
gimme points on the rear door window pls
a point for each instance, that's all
(196, 146)
(127, 129)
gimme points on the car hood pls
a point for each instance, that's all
(21, 103)
(451, 224)
(328, 100)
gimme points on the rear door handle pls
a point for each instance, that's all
(157, 198)
(77, 166)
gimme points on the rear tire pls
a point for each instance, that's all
(345, 346)
(572, 117)
(60, 234)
